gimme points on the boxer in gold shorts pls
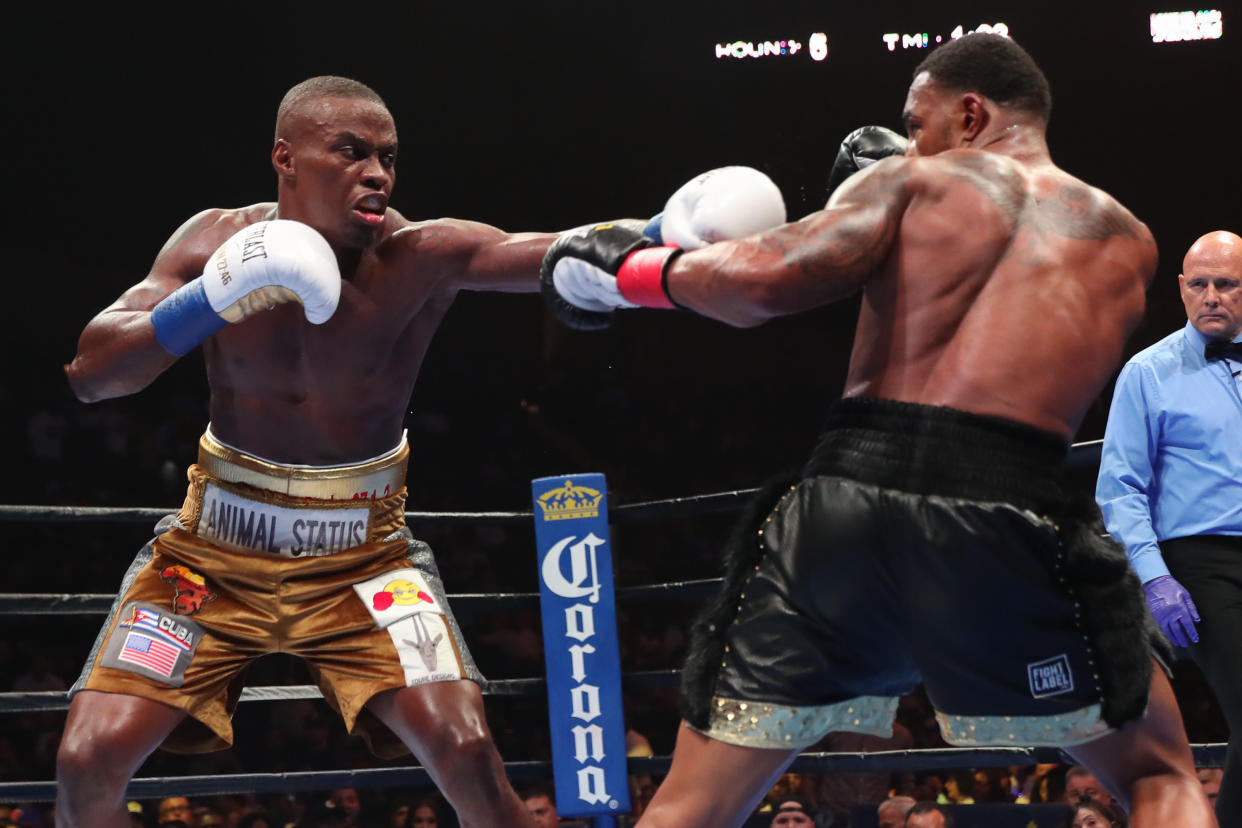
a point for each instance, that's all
(263, 557)
(313, 313)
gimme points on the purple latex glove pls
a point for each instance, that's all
(1173, 610)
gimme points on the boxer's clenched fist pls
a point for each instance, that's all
(591, 271)
(260, 266)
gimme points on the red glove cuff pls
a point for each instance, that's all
(641, 277)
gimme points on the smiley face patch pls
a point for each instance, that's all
(402, 603)
(395, 595)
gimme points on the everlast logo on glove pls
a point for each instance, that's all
(252, 243)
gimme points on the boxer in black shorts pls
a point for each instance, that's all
(923, 543)
(997, 295)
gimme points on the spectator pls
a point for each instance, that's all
(174, 809)
(790, 786)
(957, 787)
(424, 815)
(927, 786)
(1081, 785)
(989, 786)
(892, 812)
(928, 815)
(1047, 786)
(793, 813)
(540, 802)
(1028, 781)
(346, 801)
(400, 814)
(1091, 813)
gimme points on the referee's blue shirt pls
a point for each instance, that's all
(1171, 464)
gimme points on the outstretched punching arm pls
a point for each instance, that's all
(481, 257)
(723, 203)
(793, 267)
(593, 270)
(826, 256)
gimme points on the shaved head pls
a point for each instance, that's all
(302, 97)
(1217, 245)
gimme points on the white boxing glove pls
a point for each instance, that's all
(721, 204)
(593, 270)
(258, 267)
(588, 287)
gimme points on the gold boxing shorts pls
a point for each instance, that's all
(312, 561)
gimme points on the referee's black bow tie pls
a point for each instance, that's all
(1218, 349)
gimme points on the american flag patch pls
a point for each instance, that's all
(150, 653)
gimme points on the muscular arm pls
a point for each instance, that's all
(470, 255)
(118, 353)
(495, 260)
(825, 257)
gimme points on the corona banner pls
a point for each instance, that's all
(580, 645)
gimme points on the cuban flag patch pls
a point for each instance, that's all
(153, 642)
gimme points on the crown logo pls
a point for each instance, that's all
(569, 502)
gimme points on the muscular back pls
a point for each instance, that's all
(1009, 290)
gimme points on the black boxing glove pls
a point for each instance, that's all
(862, 148)
(590, 271)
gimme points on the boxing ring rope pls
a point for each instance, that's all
(1081, 454)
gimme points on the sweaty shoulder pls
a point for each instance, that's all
(203, 232)
(447, 236)
(446, 245)
(470, 255)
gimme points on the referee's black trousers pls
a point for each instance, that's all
(1210, 568)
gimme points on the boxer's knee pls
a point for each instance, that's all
(465, 747)
(442, 723)
(86, 761)
(91, 776)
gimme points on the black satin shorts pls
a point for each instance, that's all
(860, 589)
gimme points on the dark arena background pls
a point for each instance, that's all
(124, 122)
